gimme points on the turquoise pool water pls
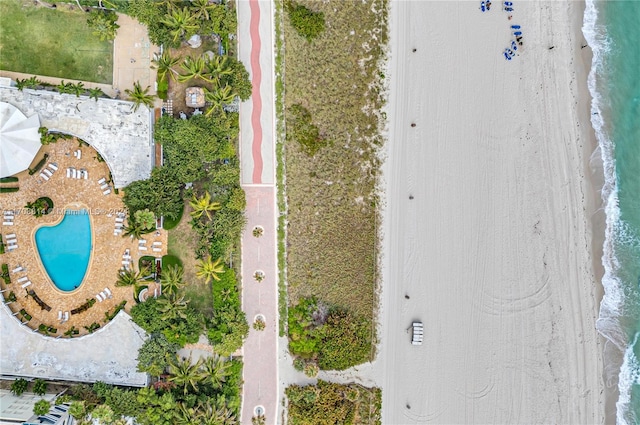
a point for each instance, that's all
(65, 249)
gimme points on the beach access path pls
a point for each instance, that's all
(257, 168)
(487, 233)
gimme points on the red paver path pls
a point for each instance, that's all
(259, 253)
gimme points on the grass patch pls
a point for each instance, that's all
(171, 260)
(183, 242)
(331, 196)
(56, 43)
(171, 224)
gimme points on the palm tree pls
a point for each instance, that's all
(186, 415)
(172, 280)
(77, 89)
(139, 96)
(64, 87)
(184, 373)
(195, 68)
(203, 205)
(209, 269)
(133, 229)
(180, 22)
(21, 84)
(218, 98)
(164, 64)
(201, 9)
(216, 68)
(172, 308)
(216, 371)
(95, 93)
(131, 277)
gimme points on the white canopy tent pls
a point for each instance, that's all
(19, 140)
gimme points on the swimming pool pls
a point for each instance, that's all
(65, 249)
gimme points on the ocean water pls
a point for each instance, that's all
(612, 29)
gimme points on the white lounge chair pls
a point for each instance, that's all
(48, 172)
(106, 192)
(60, 315)
(79, 154)
(12, 240)
(7, 223)
(66, 316)
(53, 166)
(157, 243)
(86, 174)
(12, 247)
(108, 292)
(17, 269)
(157, 249)
(119, 220)
(99, 298)
(9, 213)
(27, 283)
(10, 236)
(142, 241)
(104, 186)
(23, 279)
(102, 180)
(44, 176)
(142, 248)
(75, 153)
(116, 232)
(68, 173)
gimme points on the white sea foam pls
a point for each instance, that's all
(611, 307)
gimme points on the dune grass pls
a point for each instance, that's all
(331, 196)
(37, 40)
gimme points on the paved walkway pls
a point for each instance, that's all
(255, 41)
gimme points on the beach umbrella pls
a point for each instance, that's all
(19, 140)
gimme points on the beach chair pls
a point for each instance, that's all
(106, 192)
(104, 296)
(47, 172)
(108, 292)
(17, 269)
(53, 166)
(125, 262)
(66, 316)
(86, 174)
(157, 249)
(116, 232)
(102, 180)
(7, 223)
(8, 213)
(119, 220)
(12, 240)
(60, 315)
(12, 247)
(23, 279)
(68, 172)
(27, 283)
(99, 298)
(44, 176)
(142, 248)
(515, 27)
(79, 154)
(157, 243)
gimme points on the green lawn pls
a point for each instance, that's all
(56, 43)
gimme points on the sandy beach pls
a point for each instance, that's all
(488, 222)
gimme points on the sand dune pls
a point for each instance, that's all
(494, 248)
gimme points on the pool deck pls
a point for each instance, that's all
(108, 249)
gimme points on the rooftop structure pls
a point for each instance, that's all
(122, 136)
(195, 97)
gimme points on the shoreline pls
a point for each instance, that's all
(548, 142)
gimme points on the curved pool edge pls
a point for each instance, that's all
(73, 206)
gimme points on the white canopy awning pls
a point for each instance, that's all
(19, 140)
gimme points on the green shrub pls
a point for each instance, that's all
(9, 189)
(41, 407)
(11, 297)
(109, 316)
(25, 315)
(19, 386)
(40, 387)
(10, 179)
(39, 165)
(300, 128)
(103, 24)
(299, 364)
(307, 23)
(92, 327)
